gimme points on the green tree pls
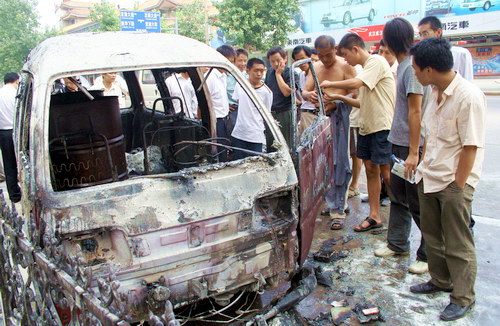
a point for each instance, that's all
(257, 24)
(106, 16)
(18, 33)
(192, 20)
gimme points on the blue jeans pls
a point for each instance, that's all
(256, 147)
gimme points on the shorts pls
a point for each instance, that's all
(375, 147)
(353, 140)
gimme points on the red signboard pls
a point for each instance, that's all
(369, 33)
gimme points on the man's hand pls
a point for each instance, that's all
(310, 96)
(330, 98)
(281, 67)
(411, 163)
(327, 84)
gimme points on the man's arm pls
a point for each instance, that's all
(352, 83)
(346, 99)
(414, 114)
(350, 73)
(465, 165)
(283, 86)
(309, 92)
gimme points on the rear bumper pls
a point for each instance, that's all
(213, 269)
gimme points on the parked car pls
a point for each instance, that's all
(473, 4)
(127, 216)
(438, 7)
(349, 11)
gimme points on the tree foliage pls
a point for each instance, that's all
(19, 33)
(106, 16)
(192, 20)
(257, 24)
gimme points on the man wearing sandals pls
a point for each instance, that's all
(406, 141)
(451, 163)
(330, 67)
(376, 102)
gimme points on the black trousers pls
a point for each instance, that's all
(404, 207)
(10, 165)
(222, 129)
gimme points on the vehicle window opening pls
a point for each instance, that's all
(92, 141)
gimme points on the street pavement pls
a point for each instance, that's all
(487, 196)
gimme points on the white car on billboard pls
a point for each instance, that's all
(347, 11)
(473, 4)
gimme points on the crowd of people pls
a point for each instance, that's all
(413, 103)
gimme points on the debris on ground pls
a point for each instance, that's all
(367, 312)
(337, 304)
(322, 320)
(349, 291)
(305, 287)
(340, 314)
(323, 278)
(327, 253)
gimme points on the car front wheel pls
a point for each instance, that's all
(487, 6)
(371, 15)
(347, 18)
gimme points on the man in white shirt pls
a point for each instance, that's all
(112, 85)
(217, 87)
(249, 130)
(462, 59)
(307, 109)
(179, 85)
(7, 110)
(454, 133)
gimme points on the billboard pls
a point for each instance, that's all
(367, 17)
(486, 60)
(326, 15)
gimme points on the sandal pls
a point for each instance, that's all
(337, 224)
(372, 224)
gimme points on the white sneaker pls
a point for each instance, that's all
(387, 252)
(364, 198)
(418, 267)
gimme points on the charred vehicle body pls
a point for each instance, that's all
(126, 212)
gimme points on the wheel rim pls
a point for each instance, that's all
(347, 18)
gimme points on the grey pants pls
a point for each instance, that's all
(404, 208)
(451, 252)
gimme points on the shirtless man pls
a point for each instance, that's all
(329, 67)
(376, 101)
(332, 68)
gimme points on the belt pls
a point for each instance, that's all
(315, 111)
(225, 118)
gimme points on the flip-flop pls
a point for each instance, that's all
(372, 224)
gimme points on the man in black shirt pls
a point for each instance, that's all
(278, 80)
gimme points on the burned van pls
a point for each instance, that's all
(128, 211)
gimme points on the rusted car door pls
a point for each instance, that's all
(312, 152)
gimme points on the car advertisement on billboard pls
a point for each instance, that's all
(326, 15)
(441, 8)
